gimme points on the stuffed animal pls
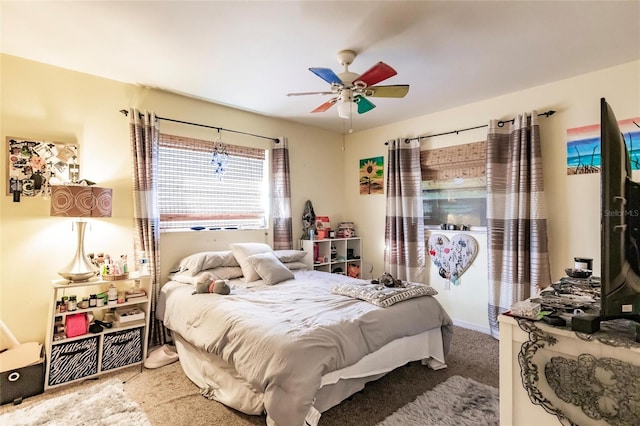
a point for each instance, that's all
(388, 281)
(207, 284)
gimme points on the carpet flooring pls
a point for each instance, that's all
(103, 404)
(457, 402)
(168, 397)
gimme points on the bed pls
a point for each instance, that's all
(292, 348)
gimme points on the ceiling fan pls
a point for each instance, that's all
(350, 89)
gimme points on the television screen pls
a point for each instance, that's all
(619, 230)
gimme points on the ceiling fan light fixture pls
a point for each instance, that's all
(351, 89)
(344, 109)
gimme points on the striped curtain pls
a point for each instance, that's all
(516, 215)
(404, 253)
(143, 134)
(281, 190)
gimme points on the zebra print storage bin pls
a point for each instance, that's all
(73, 360)
(121, 348)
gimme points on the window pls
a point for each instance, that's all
(457, 201)
(190, 194)
(454, 185)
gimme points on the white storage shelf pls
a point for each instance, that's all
(70, 359)
(348, 251)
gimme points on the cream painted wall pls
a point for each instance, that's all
(44, 102)
(48, 103)
(573, 202)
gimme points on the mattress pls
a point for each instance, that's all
(277, 349)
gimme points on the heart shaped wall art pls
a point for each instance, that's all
(453, 257)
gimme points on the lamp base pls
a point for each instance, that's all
(77, 277)
(80, 268)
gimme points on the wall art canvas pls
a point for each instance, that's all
(372, 176)
(35, 165)
(583, 146)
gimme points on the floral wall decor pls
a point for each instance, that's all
(452, 257)
(372, 176)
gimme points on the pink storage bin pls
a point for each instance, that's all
(76, 325)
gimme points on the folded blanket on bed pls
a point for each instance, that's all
(381, 295)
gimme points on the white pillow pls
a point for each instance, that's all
(189, 279)
(287, 256)
(295, 266)
(270, 269)
(197, 262)
(242, 251)
(226, 272)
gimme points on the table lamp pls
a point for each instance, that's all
(79, 202)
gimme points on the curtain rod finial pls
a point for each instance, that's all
(125, 112)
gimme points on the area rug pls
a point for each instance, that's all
(103, 404)
(457, 402)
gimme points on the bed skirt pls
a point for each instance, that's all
(219, 381)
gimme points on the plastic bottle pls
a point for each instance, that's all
(144, 264)
(112, 295)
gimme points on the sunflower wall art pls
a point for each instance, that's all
(372, 176)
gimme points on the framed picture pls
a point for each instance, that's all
(35, 165)
(372, 176)
(583, 146)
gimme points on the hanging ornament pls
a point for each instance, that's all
(219, 157)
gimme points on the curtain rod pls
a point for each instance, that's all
(500, 124)
(276, 140)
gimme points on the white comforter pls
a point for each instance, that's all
(283, 338)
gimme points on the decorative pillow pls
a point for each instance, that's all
(270, 269)
(197, 262)
(380, 295)
(242, 251)
(288, 256)
(294, 266)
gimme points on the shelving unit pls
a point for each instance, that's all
(348, 251)
(70, 359)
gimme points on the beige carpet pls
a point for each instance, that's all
(169, 398)
(103, 404)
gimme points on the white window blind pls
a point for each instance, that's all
(190, 194)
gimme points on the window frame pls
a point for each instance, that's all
(200, 151)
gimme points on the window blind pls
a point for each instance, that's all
(190, 194)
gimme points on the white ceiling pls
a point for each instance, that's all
(250, 54)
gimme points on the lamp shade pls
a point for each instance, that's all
(80, 201)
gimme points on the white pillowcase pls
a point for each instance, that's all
(226, 272)
(296, 266)
(269, 268)
(288, 256)
(197, 262)
(242, 251)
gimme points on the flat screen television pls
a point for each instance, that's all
(619, 230)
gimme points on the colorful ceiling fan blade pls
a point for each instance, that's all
(309, 93)
(325, 106)
(327, 75)
(397, 91)
(376, 74)
(364, 104)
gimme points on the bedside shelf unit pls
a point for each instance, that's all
(89, 355)
(348, 251)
